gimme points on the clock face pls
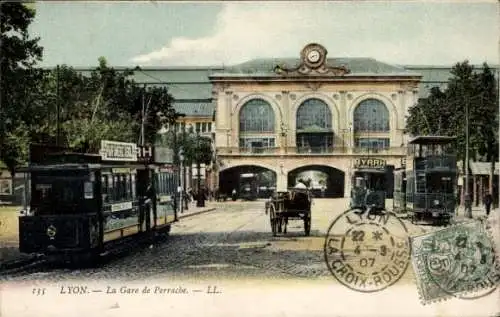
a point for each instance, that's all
(313, 56)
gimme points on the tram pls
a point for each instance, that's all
(368, 190)
(248, 186)
(399, 196)
(82, 203)
(431, 180)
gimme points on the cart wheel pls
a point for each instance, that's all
(307, 226)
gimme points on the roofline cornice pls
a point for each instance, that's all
(280, 79)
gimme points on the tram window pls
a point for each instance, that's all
(161, 186)
(421, 183)
(128, 188)
(110, 187)
(88, 190)
(114, 186)
(159, 182)
(133, 186)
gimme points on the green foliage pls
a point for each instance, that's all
(18, 55)
(196, 148)
(444, 112)
(107, 104)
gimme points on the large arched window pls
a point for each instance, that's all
(371, 115)
(257, 124)
(257, 116)
(314, 127)
(314, 114)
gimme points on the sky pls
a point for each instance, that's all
(156, 33)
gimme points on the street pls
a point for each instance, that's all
(226, 263)
(233, 242)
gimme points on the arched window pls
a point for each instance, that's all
(314, 127)
(371, 115)
(314, 114)
(257, 116)
(257, 124)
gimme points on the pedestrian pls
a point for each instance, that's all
(487, 201)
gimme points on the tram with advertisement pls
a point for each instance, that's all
(82, 203)
(368, 184)
(430, 180)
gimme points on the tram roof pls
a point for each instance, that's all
(432, 139)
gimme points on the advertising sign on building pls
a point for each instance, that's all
(369, 163)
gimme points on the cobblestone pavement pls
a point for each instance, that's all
(233, 242)
(233, 249)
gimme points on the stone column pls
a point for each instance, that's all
(346, 123)
(285, 121)
(230, 117)
(347, 182)
(474, 190)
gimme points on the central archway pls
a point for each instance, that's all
(325, 181)
(263, 180)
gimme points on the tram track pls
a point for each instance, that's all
(271, 264)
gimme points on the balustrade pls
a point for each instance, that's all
(336, 150)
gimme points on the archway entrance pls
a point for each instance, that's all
(242, 178)
(325, 181)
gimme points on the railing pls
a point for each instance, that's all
(336, 150)
(431, 200)
(436, 163)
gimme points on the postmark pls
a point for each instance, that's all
(457, 261)
(367, 253)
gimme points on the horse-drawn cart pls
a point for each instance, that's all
(293, 204)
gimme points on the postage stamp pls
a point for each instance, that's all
(367, 253)
(458, 261)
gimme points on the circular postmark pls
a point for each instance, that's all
(367, 252)
(460, 261)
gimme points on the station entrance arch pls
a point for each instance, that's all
(229, 179)
(319, 177)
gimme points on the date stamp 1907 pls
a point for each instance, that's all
(454, 262)
(367, 252)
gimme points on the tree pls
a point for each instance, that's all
(443, 112)
(18, 55)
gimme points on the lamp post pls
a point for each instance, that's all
(177, 160)
(58, 110)
(201, 201)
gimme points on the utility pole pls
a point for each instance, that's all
(142, 116)
(467, 198)
(58, 115)
(498, 118)
(175, 160)
(200, 202)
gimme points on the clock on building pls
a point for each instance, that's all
(313, 56)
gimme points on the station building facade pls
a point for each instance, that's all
(310, 117)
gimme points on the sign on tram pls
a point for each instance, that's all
(118, 151)
(369, 163)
